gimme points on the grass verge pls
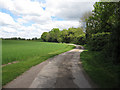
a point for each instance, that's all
(103, 72)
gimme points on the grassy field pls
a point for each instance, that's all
(28, 53)
(104, 74)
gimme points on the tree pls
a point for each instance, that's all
(105, 18)
(54, 34)
(68, 36)
(64, 35)
(44, 36)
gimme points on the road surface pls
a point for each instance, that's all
(61, 71)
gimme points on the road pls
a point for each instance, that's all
(61, 71)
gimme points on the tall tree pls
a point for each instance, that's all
(105, 18)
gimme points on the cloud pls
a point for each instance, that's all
(9, 5)
(6, 19)
(68, 9)
(22, 7)
(33, 17)
(36, 19)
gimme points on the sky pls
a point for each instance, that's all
(30, 18)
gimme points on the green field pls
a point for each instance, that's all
(28, 53)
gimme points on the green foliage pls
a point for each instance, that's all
(105, 18)
(44, 36)
(72, 35)
(102, 60)
(80, 39)
(98, 41)
(100, 69)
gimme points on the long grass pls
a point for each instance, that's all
(28, 53)
(100, 69)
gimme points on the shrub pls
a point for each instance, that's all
(80, 39)
(99, 41)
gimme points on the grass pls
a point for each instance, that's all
(28, 53)
(103, 72)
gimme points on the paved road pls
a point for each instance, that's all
(61, 71)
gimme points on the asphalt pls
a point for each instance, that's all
(61, 71)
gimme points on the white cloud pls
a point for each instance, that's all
(8, 29)
(26, 7)
(21, 20)
(66, 24)
(68, 9)
(7, 4)
(41, 21)
(22, 7)
(6, 19)
(36, 19)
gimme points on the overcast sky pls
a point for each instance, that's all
(30, 18)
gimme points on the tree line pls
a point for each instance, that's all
(102, 30)
(18, 38)
(72, 35)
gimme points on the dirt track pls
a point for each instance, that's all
(61, 71)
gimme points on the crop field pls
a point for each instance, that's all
(28, 54)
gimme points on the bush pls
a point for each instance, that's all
(99, 41)
(80, 39)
